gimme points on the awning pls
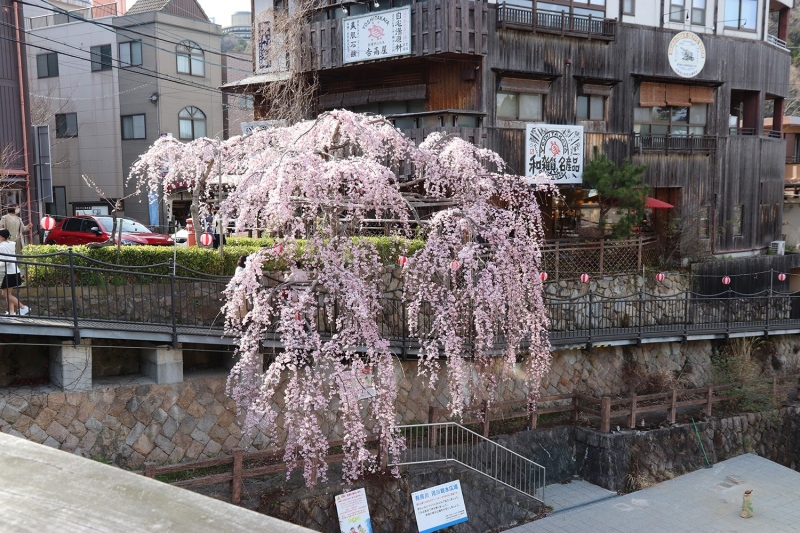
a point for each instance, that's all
(652, 203)
(258, 79)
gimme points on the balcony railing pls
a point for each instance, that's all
(75, 15)
(792, 159)
(563, 23)
(748, 132)
(775, 41)
(651, 142)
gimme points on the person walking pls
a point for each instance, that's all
(15, 227)
(11, 278)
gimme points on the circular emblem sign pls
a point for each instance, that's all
(687, 55)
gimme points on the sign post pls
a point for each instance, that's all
(353, 512)
(439, 507)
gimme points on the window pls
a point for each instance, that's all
(47, 65)
(741, 14)
(699, 12)
(192, 123)
(101, 57)
(628, 7)
(591, 107)
(190, 59)
(672, 120)
(67, 125)
(705, 215)
(130, 54)
(520, 106)
(72, 224)
(677, 10)
(133, 127)
(736, 223)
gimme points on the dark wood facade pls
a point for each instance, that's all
(724, 171)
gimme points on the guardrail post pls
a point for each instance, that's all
(633, 411)
(709, 400)
(76, 331)
(173, 309)
(236, 482)
(486, 418)
(150, 470)
(673, 406)
(605, 414)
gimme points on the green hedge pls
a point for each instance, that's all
(204, 260)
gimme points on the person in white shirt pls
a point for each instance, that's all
(12, 278)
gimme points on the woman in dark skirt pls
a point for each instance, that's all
(12, 276)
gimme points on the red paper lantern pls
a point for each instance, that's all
(48, 223)
(660, 276)
(455, 264)
(206, 239)
(781, 277)
(543, 276)
(585, 278)
(402, 260)
(278, 249)
(726, 280)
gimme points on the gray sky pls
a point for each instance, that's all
(221, 10)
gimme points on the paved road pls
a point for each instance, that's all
(704, 501)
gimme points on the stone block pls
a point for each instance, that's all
(66, 415)
(169, 427)
(165, 444)
(159, 415)
(212, 448)
(71, 366)
(53, 443)
(200, 437)
(163, 364)
(194, 450)
(57, 431)
(143, 445)
(185, 399)
(135, 433)
(206, 423)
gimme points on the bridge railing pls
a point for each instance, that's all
(168, 298)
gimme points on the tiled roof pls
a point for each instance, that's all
(145, 6)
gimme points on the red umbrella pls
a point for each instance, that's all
(652, 203)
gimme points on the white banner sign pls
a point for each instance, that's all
(555, 150)
(439, 507)
(377, 35)
(353, 512)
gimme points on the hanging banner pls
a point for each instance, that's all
(353, 512)
(376, 35)
(439, 507)
(555, 150)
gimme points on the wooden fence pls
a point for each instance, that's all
(569, 258)
(607, 409)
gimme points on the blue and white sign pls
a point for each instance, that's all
(376, 35)
(353, 512)
(439, 507)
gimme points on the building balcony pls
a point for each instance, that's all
(751, 132)
(75, 15)
(558, 23)
(693, 144)
(775, 41)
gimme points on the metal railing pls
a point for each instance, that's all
(651, 142)
(73, 15)
(561, 22)
(776, 41)
(444, 442)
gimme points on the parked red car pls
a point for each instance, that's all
(83, 229)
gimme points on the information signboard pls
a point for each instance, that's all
(439, 507)
(353, 512)
(556, 150)
(376, 35)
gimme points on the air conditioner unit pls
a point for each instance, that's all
(778, 247)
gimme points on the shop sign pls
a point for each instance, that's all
(377, 35)
(439, 507)
(687, 54)
(555, 150)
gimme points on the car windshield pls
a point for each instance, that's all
(128, 225)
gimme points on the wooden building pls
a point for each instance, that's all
(680, 86)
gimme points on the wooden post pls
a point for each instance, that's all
(576, 406)
(633, 411)
(673, 407)
(433, 416)
(533, 420)
(236, 482)
(605, 414)
(486, 418)
(709, 400)
(150, 470)
(639, 254)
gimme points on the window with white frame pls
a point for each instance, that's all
(190, 58)
(628, 7)
(191, 123)
(133, 127)
(101, 57)
(130, 54)
(741, 14)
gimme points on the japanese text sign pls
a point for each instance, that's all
(376, 35)
(353, 512)
(555, 150)
(439, 507)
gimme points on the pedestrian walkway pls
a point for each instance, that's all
(562, 496)
(705, 501)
